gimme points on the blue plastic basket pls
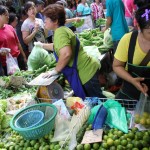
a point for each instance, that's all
(41, 130)
(30, 119)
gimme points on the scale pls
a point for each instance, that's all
(48, 88)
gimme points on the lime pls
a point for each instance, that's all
(105, 137)
(134, 129)
(145, 148)
(129, 146)
(52, 146)
(37, 145)
(79, 147)
(1, 145)
(130, 135)
(33, 142)
(139, 135)
(119, 147)
(120, 133)
(56, 147)
(145, 115)
(117, 142)
(143, 121)
(112, 148)
(135, 148)
(46, 147)
(115, 137)
(146, 138)
(110, 142)
(95, 146)
(87, 147)
(124, 142)
(104, 145)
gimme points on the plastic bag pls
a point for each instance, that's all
(142, 111)
(62, 122)
(100, 118)
(108, 39)
(12, 65)
(116, 117)
(40, 57)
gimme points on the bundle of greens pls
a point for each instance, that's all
(78, 24)
(100, 22)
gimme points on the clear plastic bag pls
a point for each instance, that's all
(142, 111)
(12, 65)
(108, 39)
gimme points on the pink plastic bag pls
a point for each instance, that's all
(12, 65)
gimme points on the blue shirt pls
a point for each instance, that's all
(116, 10)
(69, 15)
(85, 10)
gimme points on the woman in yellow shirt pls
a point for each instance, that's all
(132, 58)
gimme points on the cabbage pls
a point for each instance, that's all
(38, 58)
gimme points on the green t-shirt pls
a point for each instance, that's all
(86, 65)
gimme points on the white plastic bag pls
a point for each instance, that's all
(12, 65)
(108, 39)
(61, 122)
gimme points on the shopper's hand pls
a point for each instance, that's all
(140, 86)
(103, 29)
(4, 51)
(39, 44)
(50, 73)
(36, 26)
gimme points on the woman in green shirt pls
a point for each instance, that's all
(80, 69)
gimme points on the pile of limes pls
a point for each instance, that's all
(115, 139)
(143, 119)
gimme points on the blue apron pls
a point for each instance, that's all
(129, 91)
(71, 74)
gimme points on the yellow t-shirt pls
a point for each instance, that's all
(122, 51)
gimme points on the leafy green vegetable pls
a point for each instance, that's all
(3, 105)
(100, 22)
(78, 24)
(6, 121)
(40, 57)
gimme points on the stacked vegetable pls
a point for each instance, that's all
(93, 37)
(4, 118)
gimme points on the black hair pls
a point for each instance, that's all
(3, 9)
(28, 5)
(21, 12)
(141, 3)
(12, 17)
(143, 23)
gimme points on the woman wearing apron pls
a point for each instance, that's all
(80, 69)
(132, 58)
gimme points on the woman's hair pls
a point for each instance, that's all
(12, 17)
(141, 3)
(55, 12)
(3, 9)
(28, 5)
(142, 16)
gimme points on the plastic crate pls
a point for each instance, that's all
(128, 104)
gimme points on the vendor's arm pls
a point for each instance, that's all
(47, 46)
(65, 55)
(119, 69)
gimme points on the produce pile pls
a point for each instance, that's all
(94, 37)
(112, 139)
